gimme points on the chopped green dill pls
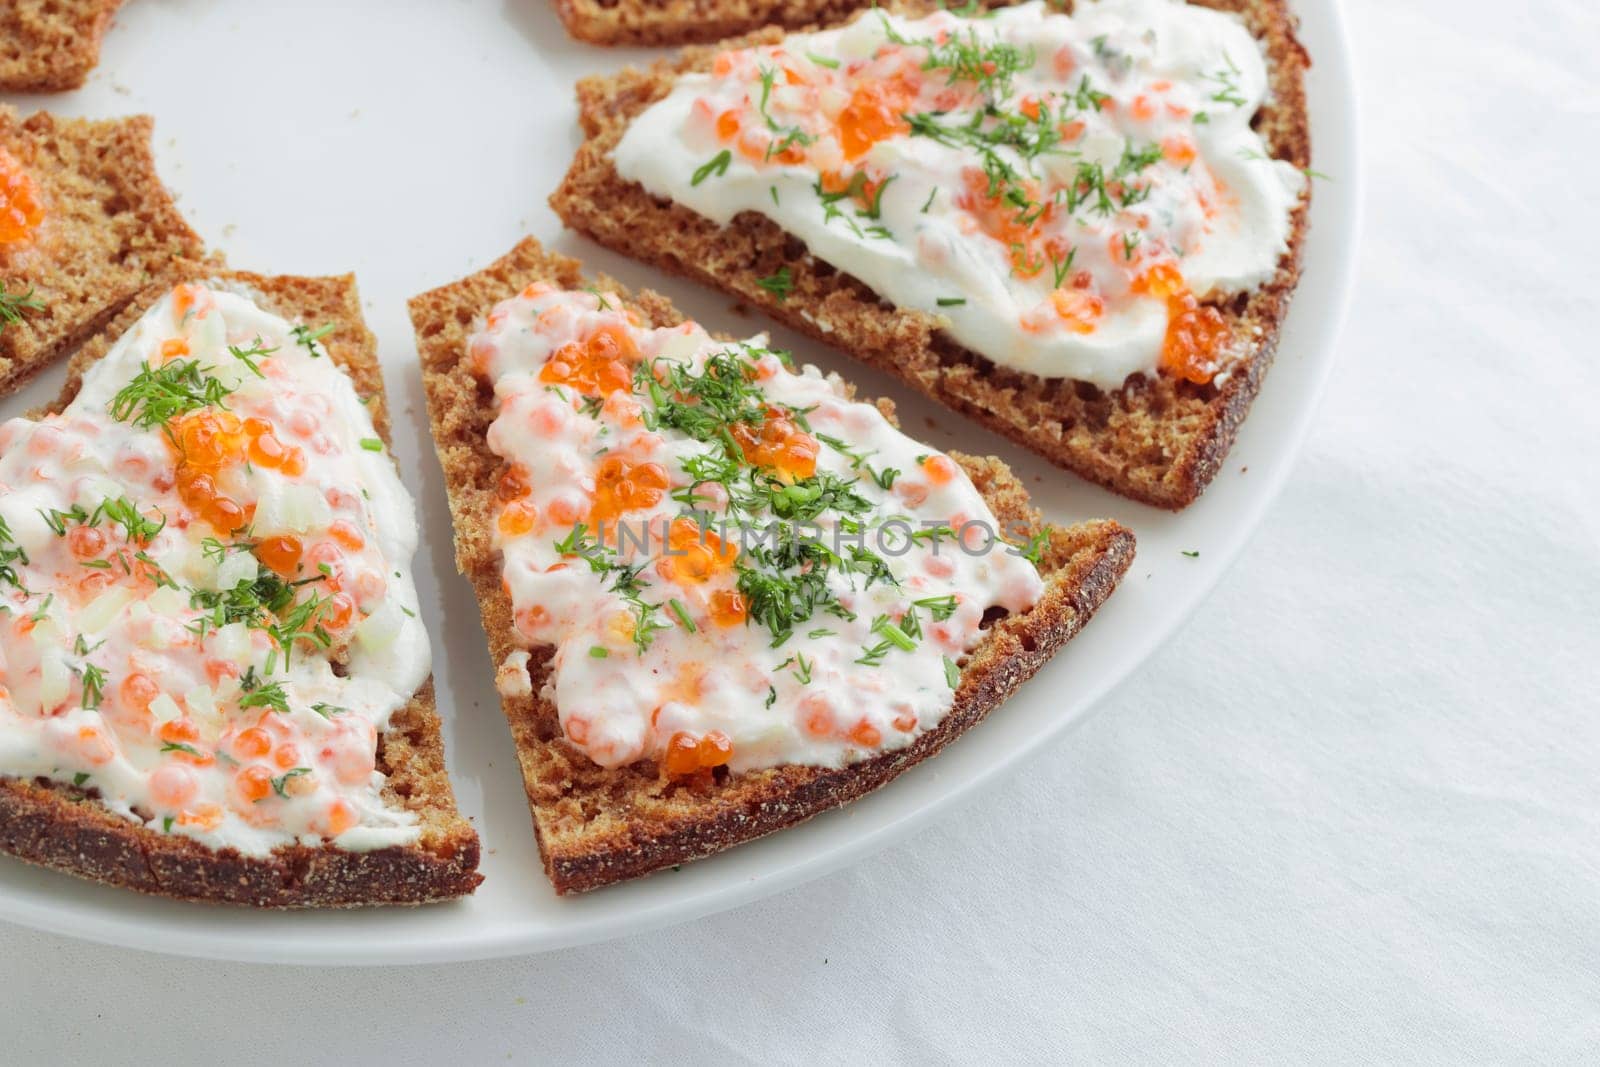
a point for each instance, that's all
(12, 305)
(779, 284)
(950, 301)
(248, 356)
(599, 651)
(154, 397)
(717, 165)
(308, 338)
(328, 711)
(372, 444)
(682, 613)
(282, 780)
(952, 673)
(79, 778)
(1192, 553)
(267, 695)
(94, 685)
(11, 554)
(179, 746)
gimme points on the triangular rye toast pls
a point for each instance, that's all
(66, 826)
(48, 46)
(1157, 438)
(662, 22)
(596, 825)
(85, 226)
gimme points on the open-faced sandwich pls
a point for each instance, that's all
(1081, 229)
(722, 594)
(213, 681)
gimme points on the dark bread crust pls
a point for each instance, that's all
(59, 826)
(1156, 439)
(598, 826)
(664, 22)
(110, 227)
(49, 46)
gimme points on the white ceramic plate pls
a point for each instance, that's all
(415, 141)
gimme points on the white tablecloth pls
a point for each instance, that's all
(1351, 812)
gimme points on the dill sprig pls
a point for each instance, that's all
(156, 396)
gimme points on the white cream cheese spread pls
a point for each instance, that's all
(206, 608)
(1063, 190)
(736, 564)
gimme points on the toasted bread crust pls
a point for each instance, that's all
(59, 826)
(598, 826)
(667, 22)
(1156, 439)
(110, 227)
(49, 46)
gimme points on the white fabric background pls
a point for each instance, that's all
(1351, 812)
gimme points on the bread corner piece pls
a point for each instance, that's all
(668, 22)
(65, 828)
(597, 826)
(1157, 440)
(109, 229)
(49, 46)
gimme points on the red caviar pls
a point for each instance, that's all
(1196, 333)
(21, 210)
(603, 364)
(620, 486)
(779, 443)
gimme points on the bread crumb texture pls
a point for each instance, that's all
(597, 826)
(48, 46)
(1156, 439)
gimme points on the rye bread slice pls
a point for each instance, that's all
(598, 826)
(1156, 439)
(60, 826)
(110, 228)
(48, 46)
(664, 22)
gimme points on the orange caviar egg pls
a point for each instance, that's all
(339, 817)
(172, 785)
(179, 732)
(254, 783)
(86, 542)
(21, 210)
(778, 443)
(137, 691)
(514, 483)
(1196, 333)
(865, 734)
(682, 757)
(281, 554)
(517, 518)
(267, 451)
(715, 749)
(694, 555)
(205, 817)
(621, 486)
(602, 365)
(686, 755)
(728, 608)
(347, 535)
(252, 743)
(1078, 309)
(876, 111)
(1178, 150)
(338, 611)
(939, 469)
(727, 125)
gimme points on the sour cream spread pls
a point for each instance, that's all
(206, 607)
(1064, 190)
(736, 564)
